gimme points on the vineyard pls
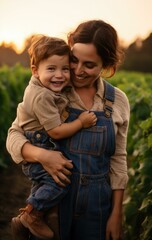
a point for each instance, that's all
(138, 87)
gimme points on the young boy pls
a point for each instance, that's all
(42, 115)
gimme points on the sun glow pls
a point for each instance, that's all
(16, 41)
(55, 18)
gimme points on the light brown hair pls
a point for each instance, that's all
(43, 47)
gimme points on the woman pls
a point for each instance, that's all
(92, 209)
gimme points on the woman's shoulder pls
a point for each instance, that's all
(121, 105)
(121, 97)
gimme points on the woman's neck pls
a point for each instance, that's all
(87, 95)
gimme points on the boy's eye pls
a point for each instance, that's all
(51, 68)
(66, 69)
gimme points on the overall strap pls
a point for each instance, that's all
(109, 97)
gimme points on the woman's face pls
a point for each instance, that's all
(86, 65)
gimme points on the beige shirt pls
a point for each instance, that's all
(121, 114)
(41, 108)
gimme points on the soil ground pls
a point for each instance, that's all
(14, 189)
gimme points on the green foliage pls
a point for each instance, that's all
(139, 221)
(138, 88)
(138, 205)
(12, 84)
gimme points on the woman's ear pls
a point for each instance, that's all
(34, 71)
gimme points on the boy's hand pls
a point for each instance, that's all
(88, 119)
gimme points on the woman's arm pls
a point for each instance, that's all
(15, 141)
(53, 161)
(118, 167)
(114, 224)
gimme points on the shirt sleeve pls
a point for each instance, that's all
(118, 164)
(15, 141)
(46, 110)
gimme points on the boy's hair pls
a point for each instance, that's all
(43, 47)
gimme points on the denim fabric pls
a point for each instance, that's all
(40, 138)
(85, 209)
(45, 193)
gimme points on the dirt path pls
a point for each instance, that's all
(14, 188)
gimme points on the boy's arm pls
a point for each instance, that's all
(85, 120)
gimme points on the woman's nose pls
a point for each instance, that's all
(78, 69)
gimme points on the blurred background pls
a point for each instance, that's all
(19, 21)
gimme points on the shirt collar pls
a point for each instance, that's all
(100, 88)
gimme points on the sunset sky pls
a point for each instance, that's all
(20, 19)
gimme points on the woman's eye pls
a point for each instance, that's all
(89, 65)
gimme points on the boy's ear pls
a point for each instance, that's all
(34, 71)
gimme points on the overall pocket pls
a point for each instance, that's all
(91, 141)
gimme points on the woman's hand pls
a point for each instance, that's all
(114, 227)
(57, 166)
(53, 162)
(114, 223)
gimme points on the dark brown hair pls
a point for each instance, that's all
(103, 36)
(43, 47)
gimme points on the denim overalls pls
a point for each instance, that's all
(45, 192)
(86, 207)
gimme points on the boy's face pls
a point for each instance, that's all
(53, 72)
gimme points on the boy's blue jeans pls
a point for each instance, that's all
(45, 192)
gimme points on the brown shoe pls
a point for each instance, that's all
(19, 232)
(33, 220)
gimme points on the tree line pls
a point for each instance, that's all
(138, 55)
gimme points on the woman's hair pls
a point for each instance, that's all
(43, 47)
(103, 36)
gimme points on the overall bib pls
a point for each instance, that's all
(86, 207)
